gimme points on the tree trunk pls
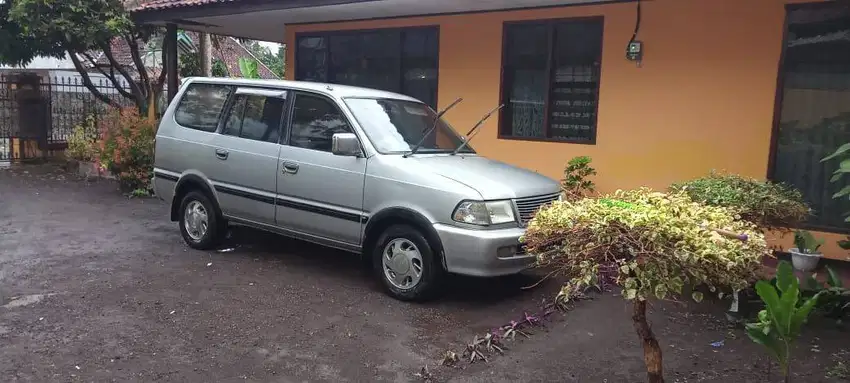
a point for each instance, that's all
(651, 349)
(205, 54)
(152, 105)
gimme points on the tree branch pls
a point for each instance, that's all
(110, 76)
(160, 82)
(140, 66)
(87, 81)
(134, 88)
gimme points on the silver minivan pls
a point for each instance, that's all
(371, 172)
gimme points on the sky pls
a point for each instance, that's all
(272, 46)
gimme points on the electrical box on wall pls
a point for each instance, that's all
(634, 51)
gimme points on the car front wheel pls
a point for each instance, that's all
(406, 264)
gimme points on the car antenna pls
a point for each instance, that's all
(434, 126)
(475, 128)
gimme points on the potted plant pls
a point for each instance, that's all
(805, 256)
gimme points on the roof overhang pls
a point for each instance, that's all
(267, 19)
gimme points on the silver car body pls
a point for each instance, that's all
(337, 201)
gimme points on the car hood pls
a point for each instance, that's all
(492, 179)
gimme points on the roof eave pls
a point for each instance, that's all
(183, 12)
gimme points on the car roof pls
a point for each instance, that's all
(325, 88)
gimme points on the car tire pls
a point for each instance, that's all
(205, 231)
(410, 253)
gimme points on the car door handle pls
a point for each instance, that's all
(221, 154)
(290, 167)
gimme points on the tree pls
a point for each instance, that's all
(652, 245)
(273, 60)
(76, 28)
(248, 68)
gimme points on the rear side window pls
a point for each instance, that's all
(255, 117)
(201, 106)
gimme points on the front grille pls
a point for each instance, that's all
(526, 207)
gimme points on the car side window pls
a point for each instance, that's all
(201, 106)
(255, 117)
(314, 122)
(234, 118)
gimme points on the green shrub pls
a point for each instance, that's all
(834, 301)
(127, 149)
(843, 155)
(779, 324)
(82, 143)
(806, 242)
(651, 244)
(576, 183)
(769, 205)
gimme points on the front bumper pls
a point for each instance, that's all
(483, 253)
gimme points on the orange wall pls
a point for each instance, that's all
(703, 98)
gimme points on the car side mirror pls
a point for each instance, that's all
(345, 144)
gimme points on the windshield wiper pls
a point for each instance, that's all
(434, 126)
(475, 129)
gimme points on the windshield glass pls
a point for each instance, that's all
(396, 126)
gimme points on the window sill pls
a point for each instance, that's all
(546, 139)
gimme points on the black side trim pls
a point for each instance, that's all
(353, 217)
(164, 176)
(245, 194)
(321, 210)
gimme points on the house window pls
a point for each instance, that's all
(814, 119)
(396, 60)
(550, 80)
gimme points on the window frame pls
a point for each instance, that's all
(328, 34)
(773, 151)
(504, 127)
(225, 108)
(290, 111)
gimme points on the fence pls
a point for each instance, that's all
(38, 111)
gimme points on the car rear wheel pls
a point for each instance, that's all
(406, 264)
(200, 222)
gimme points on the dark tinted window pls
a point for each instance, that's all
(256, 118)
(314, 122)
(262, 118)
(814, 116)
(201, 106)
(395, 60)
(234, 119)
(551, 80)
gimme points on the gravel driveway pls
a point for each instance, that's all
(107, 291)
(97, 287)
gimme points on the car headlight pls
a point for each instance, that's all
(484, 213)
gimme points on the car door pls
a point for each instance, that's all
(247, 151)
(319, 194)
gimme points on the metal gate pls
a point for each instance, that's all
(24, 117)
(38, 111)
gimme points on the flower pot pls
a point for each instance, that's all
(804, 261)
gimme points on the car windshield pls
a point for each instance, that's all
(396, 126)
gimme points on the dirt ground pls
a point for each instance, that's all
(98, 287)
